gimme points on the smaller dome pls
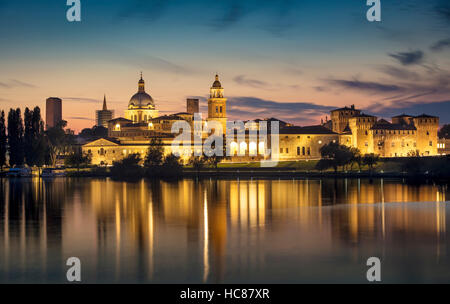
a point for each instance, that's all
(217, 83)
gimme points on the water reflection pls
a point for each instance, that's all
(221, 230)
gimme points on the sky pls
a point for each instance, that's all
(291, 59)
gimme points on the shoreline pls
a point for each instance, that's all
(250, 173)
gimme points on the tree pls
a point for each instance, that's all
(28, 136)
(77, 159)
(356, 158)
(95, 132)
(171, 166)
(323, 164)
(39, 142)
(58, 141)
(444, 132)
(338, 155)
(15, 137)
(215, 159)
(128, 167)
(155, 154)
(3, 140)
(370, 160)
(197, 162)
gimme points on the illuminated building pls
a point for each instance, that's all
(406, 135)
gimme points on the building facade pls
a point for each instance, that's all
(405, 135)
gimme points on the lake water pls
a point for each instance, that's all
(223, 231)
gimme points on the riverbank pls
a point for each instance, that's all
(414, 167)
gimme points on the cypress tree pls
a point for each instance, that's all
(3, 140)
(39, 141)
(15, 137)
(28, 137)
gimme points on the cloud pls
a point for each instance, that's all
(234, 12)
(409, 58)
(14, 83)
(259, 84)
(399, 73)
(80, 118)
(365, 86)
(254, 83)
(81, 99)
(443, 10)
(437, 108)
(149, 10)
(242, 107)
(440, 45)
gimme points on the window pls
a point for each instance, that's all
(220, 109)
(309, 151)
(431, 143)
(217, 109)
(281, 150)
(287, 150)
(303, 150)
(366, 144)
(298, 150)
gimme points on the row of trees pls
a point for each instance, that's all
(155, 163)
(26, 141)
(335, 155)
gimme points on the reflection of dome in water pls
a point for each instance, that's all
(141, 99)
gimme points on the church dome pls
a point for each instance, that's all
(141, 99)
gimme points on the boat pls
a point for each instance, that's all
(19, 172)
(53, 172)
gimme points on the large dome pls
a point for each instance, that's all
(141, 99)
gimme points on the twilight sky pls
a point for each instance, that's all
(290, 59)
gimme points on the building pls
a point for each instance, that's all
(405, 135)
(53, 112)
(192, 105)
(141, 107)
(217, 104)
(104, 115)
(444, 146)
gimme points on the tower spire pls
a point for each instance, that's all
(141, 84)
(104, 103)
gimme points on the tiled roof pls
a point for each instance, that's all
(385, 125)
(306, 130)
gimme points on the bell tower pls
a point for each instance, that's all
(217, 104)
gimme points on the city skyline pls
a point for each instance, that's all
(291, 60)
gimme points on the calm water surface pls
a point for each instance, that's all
(230, 231)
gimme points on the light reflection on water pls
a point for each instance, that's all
(247, 231)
